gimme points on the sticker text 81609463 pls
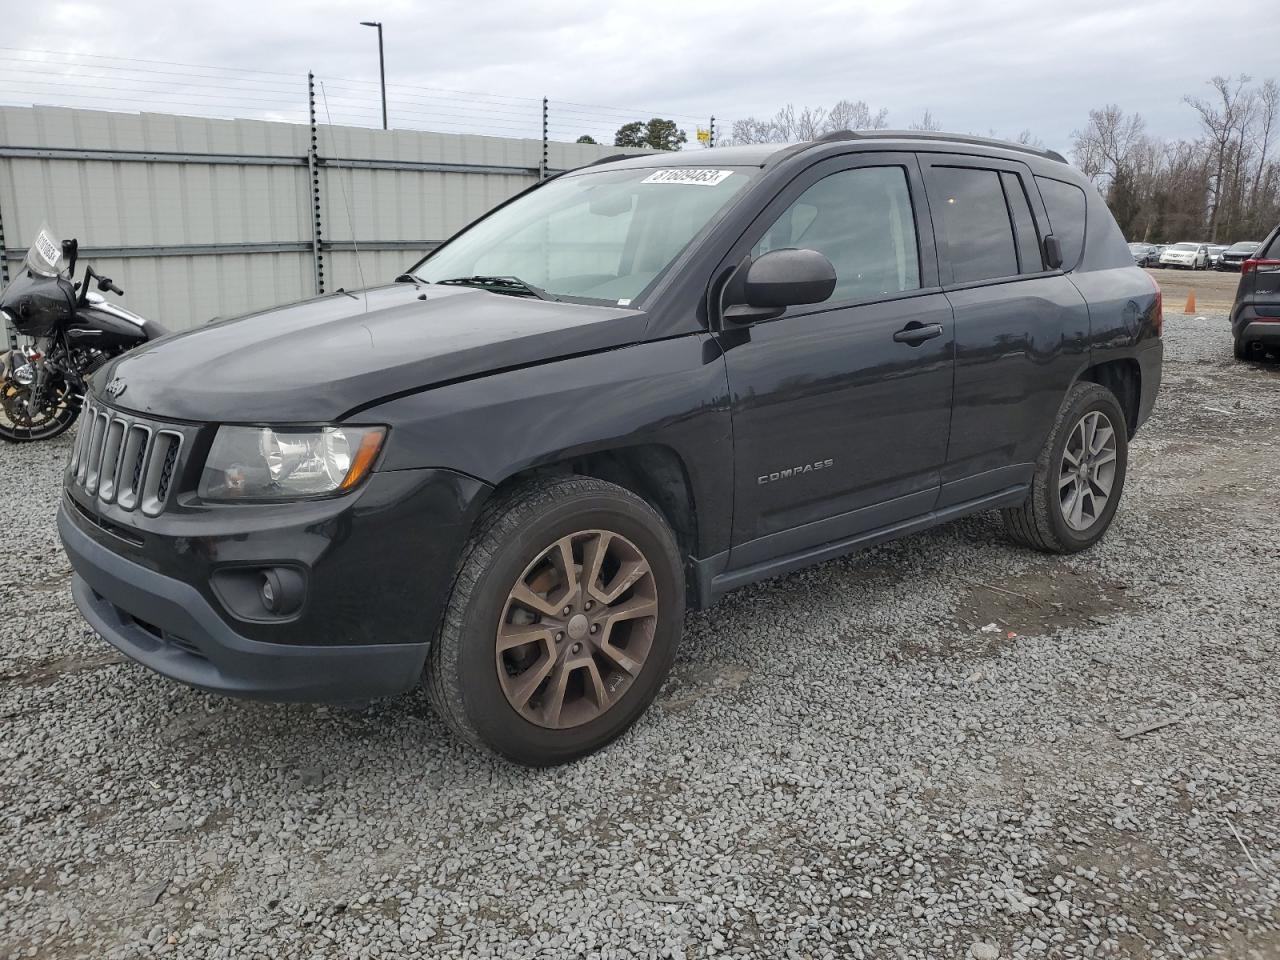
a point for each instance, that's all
(697, 178)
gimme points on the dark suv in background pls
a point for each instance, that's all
(1255, 316)
(1235, 255)
(620, 394)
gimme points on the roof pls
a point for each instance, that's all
(760, 154)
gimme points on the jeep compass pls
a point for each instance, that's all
(618, 395)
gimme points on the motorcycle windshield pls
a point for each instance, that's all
(45, 255)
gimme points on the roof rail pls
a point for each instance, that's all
(612, 157)
(941, 137)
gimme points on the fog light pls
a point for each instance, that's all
(271, 591)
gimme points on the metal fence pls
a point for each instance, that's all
(198, 217)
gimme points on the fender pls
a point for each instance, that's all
(673, 393)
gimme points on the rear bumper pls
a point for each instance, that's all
(1151, 364)
(168, 626)
(1268, 334)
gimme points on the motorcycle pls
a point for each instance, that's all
(66, 332)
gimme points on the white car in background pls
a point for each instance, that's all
(1188, 256)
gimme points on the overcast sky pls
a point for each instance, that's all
(978, 66)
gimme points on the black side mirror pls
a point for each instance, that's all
(1052, 252)
(763, 288)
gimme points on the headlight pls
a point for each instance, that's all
(283, 463)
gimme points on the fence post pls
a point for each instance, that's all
(313, 168)
(711, 140)
(4, 282)
(545, 165)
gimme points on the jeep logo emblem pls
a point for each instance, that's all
(115, 386)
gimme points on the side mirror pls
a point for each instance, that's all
(763, 288)
(1052, 252)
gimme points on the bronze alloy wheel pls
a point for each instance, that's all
(576, 629)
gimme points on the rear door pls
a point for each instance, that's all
(841, 409)
(1021, 330)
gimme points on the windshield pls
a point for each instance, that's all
(603, 236)
(1244, 245)
(1184, 246)
(45, 254)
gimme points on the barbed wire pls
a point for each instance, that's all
(99, 81)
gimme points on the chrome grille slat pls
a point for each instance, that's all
(112, 441)
(132, 461)
(158, 475)
(94, 467)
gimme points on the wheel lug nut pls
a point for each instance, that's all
(567, 610)
(595, 628)
(559, 637)
(587, 605)
(577, 648)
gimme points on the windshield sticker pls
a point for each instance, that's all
(697, 178)
(47, 249)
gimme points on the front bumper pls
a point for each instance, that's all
(378, 566)
(167, 626)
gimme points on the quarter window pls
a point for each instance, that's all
(861, 221)
(975, 225)
(1065, 204)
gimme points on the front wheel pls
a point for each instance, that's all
(1079, 475)
(562, 623)
(20, 425)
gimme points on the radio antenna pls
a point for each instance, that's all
(346, 202)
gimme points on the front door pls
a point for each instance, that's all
(841, 410)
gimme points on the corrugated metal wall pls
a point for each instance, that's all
(197, 218)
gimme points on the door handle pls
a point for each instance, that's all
(916, 333)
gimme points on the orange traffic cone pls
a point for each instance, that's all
(1191, 303)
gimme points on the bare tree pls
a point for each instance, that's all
(926, 123)
(1267, 117)
(1106, 143)
(809, 123)
(1225, 120)
(856, 115)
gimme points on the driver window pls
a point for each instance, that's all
(861, 220)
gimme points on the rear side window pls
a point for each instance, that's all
(975, 225)
(1065, 204)
(1270, 251)
(1030, 260)
(860, 220)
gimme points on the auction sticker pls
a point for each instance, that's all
(48, 250)
(698, 178)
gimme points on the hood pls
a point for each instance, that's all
(320, 359)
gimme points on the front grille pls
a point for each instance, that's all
(124, 459)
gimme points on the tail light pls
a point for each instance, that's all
(1250, 265)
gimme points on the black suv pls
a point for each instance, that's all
(620, 394)
(1255, 316)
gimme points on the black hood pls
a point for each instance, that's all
(320, 359)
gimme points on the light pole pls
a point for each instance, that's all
(382, 67)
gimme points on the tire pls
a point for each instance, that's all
(1039, 521)
(1241, 350)
(474, 686)
(65, 414)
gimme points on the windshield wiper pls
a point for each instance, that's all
(513, 286)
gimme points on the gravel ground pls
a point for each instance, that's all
(844, 762)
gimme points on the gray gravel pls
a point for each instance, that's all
(844, 762)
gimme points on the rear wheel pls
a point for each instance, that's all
(1079, 475)
(562, 623)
